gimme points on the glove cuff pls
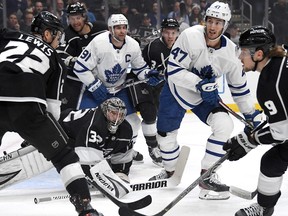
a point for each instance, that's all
(93, 86)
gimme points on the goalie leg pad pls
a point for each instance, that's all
(109, 181)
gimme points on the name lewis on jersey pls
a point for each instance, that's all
(40, 44)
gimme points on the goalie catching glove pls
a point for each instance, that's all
(239, 145)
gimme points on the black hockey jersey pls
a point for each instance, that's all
(156, 54)
(72, 46)
(272, 95)
(30, 69)
(93, 142)
(75, 43)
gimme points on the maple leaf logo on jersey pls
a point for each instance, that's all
(114, 75)
(205, 72)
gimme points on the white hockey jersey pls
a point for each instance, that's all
(190, 59)
(101, 60)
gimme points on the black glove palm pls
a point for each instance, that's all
(239, 146)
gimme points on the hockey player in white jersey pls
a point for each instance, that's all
(102, 67)
(200, 56)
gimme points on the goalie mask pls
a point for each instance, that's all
(114, 110)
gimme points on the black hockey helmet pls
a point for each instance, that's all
(257, 38)
(76, 8)
(46, 20)
(117, 107)
(169, 23)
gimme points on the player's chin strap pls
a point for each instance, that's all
(213, 40)
(256, 62)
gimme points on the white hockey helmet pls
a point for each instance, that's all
(219, 10)
(117, 19)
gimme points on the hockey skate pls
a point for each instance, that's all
(83, 207)
(137, 157)
(255, 210)
(156, 156)
(162, 175)
(213, 189)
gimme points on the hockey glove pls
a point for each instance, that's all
(154, 78)
(208, 90)
(254, 118)
(98, 90)
(70, 61)
(239, 146)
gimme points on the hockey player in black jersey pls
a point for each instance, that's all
(156, 53)
(145, 97)
(76, 37)
(260, 53)
(31, 79)
(101, 133)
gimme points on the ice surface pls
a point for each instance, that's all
(18, 199)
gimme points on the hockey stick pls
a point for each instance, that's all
(124, 211)
(243, 193)
(145, 201)
(113, 90)
(63, 196)
(248, 124)
(138, 204)
(173, 181)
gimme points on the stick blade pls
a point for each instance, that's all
(242, 193)
(180, 166)
(138, 204)
(124, 211)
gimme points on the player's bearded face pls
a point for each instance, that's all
(77, 22)
(120, 32)
(214, 27)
